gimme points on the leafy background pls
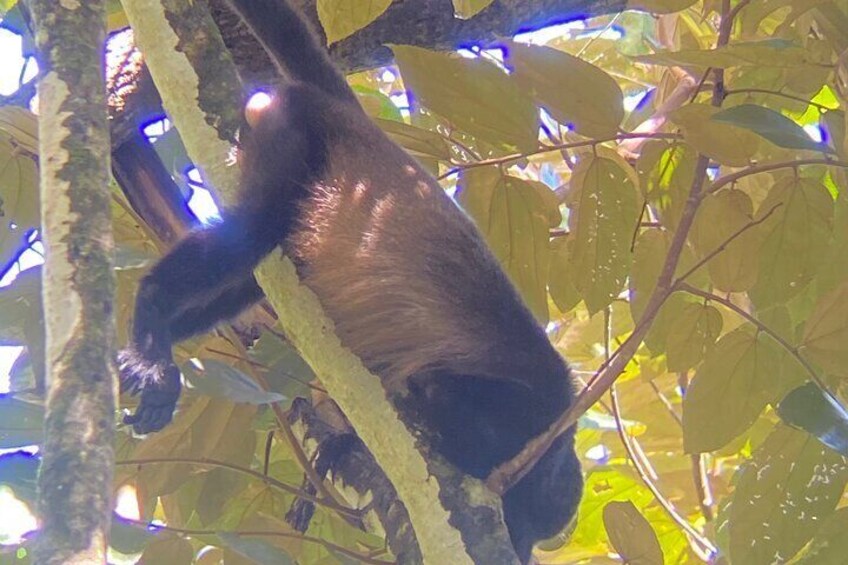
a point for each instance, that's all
(724, 438)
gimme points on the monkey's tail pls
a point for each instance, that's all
(292, 45)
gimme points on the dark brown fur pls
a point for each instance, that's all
(406, 277)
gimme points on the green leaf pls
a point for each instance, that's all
(472, 94)
(768, 53)
(796, 238)
(771, 125)
(808, 407)
(727, 144)
(826, 332)
(465, 9)
(562, 277)
(172, 550)
(20, 423)
(20, 308)
(418, 142)
(631, 535)
(18, 198)
(129, 537)
(733, 382)
(514, 220)
(607, 213)
(342, 18)
(720, 217)
(830, 544)
(224, 381)
(573, 91)
(782, 495)
(834, 122)
(692, 336)
(255, 549)
(285, 371)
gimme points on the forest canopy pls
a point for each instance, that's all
(664, 182)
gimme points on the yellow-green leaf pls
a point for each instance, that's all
(727, 144)
(830, 544)
(464, 9)
(418, 142)
(631, 535)
(573, 91)
(692, 336)
(341, 18)
(659, 6)
(561, 278)
(769, 53)
(720, 217)
(729, 390)
(472, 94)
(513, 219)
(173, 550)
(771, 125)
(782, 495)
(607, 213)
(796, 238)
(825, 338)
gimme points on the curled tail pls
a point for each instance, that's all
(292, 45)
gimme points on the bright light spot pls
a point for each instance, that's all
(598, 453)
(387, 76)
(548, 34)
(203, 206)
(400, 100)
(815, 132)
(612, 33)
(631, 102)
(126, 503)
(258, 102)
(156, 129)
(16, 518)
(31, 69)
(11, 62)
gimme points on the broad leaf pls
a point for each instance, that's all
(692, 336)
(20, 423)
(631, 535)
(341, 18)
(562, 276)
(826, 332)
(659, 6)
(607, 213)
(808, 407)
(721, 217)
(514, 219)
(173, 550)
(224, 381)
(782, 495)
(769, 52)
(573, 91)
(129, 537)
(727, 144)
(473, 95)
(796, 237)
(465, 9)
(418, 142)
(830, 544)
(733, 382)
(771, 125)
(255, 549)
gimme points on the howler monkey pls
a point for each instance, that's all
(406, 277)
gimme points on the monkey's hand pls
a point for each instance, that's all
(159, 386)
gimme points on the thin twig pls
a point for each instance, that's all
(757, 169)
(364, 558)
(550, 148)
(791, 349)
(268, 480)
(709, 256)
(778, 93)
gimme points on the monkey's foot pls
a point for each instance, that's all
(158, 383)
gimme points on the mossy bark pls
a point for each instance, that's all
(75, 479)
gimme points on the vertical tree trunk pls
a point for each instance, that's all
(75, 481)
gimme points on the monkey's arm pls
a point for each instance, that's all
(206, 278)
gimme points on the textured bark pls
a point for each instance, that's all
(75, 480)
(186, 57)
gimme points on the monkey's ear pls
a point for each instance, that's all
(256, 107)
